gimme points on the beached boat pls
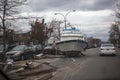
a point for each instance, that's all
(72, 42)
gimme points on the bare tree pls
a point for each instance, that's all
(55, 24)
(117, 13)
(7, 9)
(114, 34)
(40, 32)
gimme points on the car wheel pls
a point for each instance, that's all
(100, 54)
(114, 54)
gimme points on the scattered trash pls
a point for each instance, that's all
(31, 70)
(40, 77)
(73, 60)
(16, 71)
(39, 56)
(54, 56)
(10, 61)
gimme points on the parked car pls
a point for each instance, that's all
(21, 52)
(8, 47)
(51, 50)
(37, 48)
(107, 49)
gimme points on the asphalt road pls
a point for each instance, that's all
(88, 67)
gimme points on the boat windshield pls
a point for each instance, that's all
(71, 30)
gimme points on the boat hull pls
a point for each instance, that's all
(72, 45)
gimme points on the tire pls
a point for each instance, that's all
(114, 54)
(100, 54)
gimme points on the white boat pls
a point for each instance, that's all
(72, 42)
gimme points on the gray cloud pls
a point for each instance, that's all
(41, 5)
(93, 15)
(105, 4)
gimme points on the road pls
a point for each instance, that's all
(88, 67)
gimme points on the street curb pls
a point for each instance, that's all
(40, 77)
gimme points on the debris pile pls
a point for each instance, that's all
(53, 56)
(31, 70)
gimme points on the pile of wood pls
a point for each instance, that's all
(31, 70)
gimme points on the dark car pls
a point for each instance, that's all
(37, 48)
(21, 52)
(51, 50)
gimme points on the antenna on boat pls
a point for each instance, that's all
(71, 26)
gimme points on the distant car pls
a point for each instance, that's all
(21, 52)
(107, 49)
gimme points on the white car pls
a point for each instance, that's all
(107, 49)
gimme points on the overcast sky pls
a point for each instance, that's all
(94, 17)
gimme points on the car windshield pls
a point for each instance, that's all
(60, 39)
(19, 48)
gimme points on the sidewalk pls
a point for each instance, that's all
(34, 71)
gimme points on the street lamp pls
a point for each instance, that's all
(65, 15)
